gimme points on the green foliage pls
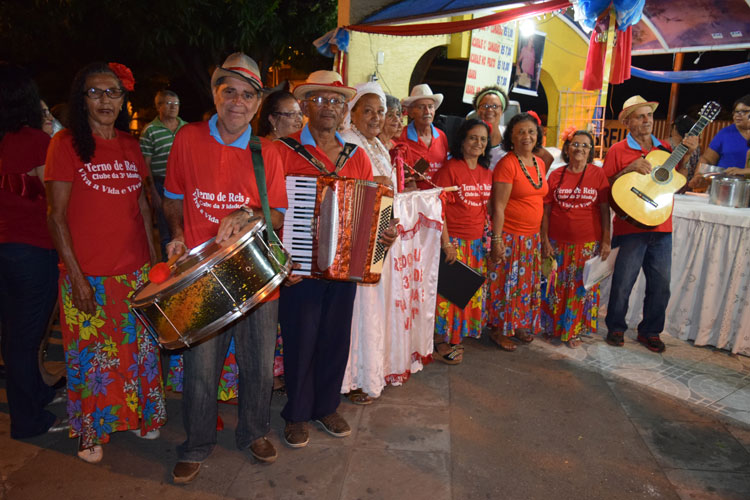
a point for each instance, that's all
(159, 40)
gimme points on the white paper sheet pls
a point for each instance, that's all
(595, 269)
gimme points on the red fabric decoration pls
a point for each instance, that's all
(459, 26)
(536, 117)
(124, 74)
(593, 76)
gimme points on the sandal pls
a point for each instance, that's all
(523, 335)
(358, 397)
(502, 341)
(574, 342)
(452, 357)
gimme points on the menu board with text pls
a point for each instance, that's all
(490, 58)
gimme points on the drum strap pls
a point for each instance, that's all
(260, 179)
(341, 160)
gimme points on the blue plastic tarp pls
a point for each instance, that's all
(733, 72)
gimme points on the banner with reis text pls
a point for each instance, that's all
(490, 58)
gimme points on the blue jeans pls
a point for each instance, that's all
(28, 291)
(316, 325)
(653, 253)
(255, 341)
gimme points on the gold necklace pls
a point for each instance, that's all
(538, 184)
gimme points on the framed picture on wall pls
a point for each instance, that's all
(530, 50)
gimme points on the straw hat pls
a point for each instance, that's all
(239, 65)
(634, 103)
(422, 91)
(324, 80)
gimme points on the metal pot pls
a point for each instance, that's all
(729, 191)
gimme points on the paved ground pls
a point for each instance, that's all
(543, 422)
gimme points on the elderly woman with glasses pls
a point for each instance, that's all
(99, 219)
(280, 115)
(729, 148)
(575, 228)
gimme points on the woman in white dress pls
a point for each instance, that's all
(370, 345)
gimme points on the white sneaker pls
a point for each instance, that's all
(152, 434)
(91, 455)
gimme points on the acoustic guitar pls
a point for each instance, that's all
(645, 200)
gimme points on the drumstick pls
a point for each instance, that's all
(163, 270)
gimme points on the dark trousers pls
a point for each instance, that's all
(165, 235)
(316, 321)
(651, 252)
(254, 342)
(28, 290)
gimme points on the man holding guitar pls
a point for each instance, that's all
(648, 248)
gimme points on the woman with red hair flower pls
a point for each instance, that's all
(99, 219)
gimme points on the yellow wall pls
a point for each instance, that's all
(562, 67)
(400, 55)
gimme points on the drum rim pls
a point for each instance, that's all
(197, 272)
(182, 342)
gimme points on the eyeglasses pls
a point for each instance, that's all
(583, 145)
(491, 106)
(288, 114)
(94, 93)
(321, 101)
(172, 103)
(741, 112)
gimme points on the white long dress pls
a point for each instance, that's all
(386, 347)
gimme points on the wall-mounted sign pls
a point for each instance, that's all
(490, 58)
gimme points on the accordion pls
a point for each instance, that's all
(333, 225)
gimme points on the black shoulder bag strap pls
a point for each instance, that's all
(260, 179)
(343, 157)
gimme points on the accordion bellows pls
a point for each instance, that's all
(333, 225)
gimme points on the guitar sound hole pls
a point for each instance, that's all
(661, 174)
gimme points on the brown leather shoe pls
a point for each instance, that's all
(295, 434)
(502, 341)
(263, 450)
(335, 425)
(184, 472)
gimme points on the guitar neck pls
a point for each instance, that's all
(680, 150)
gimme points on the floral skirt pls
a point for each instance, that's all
(514, 298)
(113, 370)
(568, 310)
(229, 374)
(451, 322)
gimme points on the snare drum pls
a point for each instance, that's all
(213, 286)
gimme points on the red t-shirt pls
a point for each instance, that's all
(217, 179)
(466, 209)
(23, 205)
(358, 165)
(108, 232)
(523, 213)
(435, 154)
(619, 156)
(575, 200)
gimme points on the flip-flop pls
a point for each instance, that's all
(454, 357)
(359, 398)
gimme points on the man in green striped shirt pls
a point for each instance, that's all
(156, 141)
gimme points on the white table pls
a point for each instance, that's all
(710, 301)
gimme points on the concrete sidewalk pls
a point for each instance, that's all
(543, 422)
